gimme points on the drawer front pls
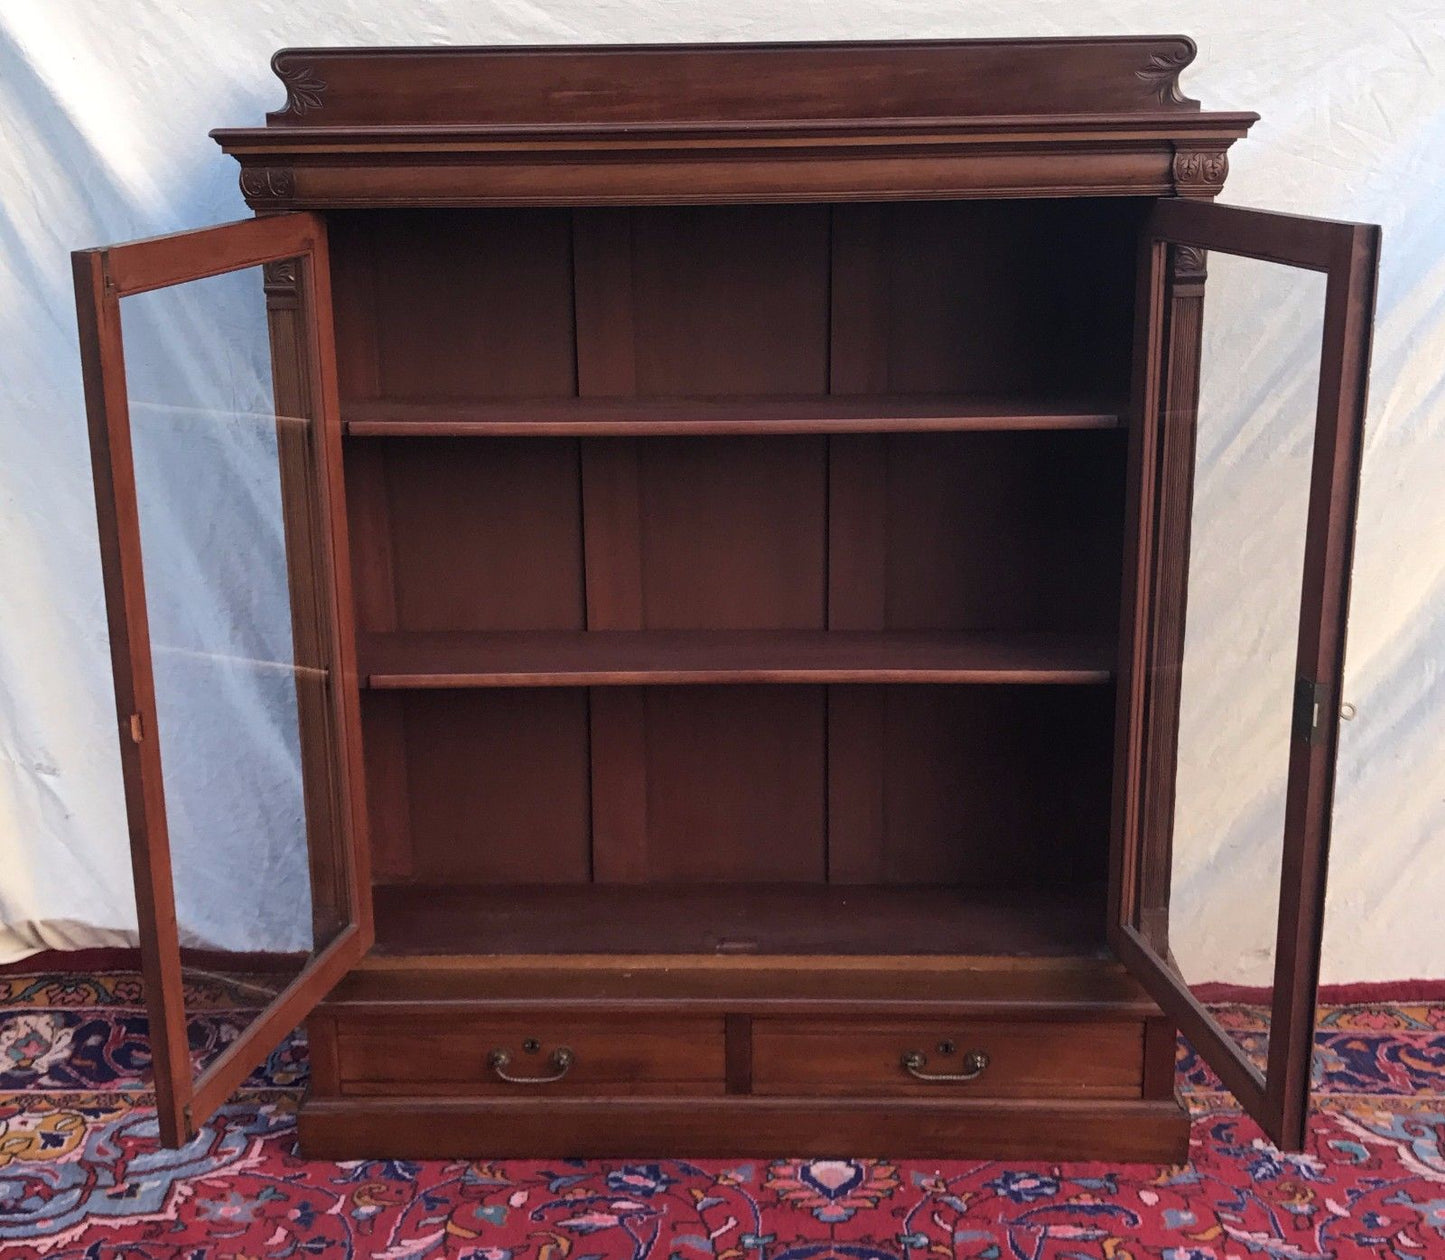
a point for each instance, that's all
(1014, 1059)
(539, 1055)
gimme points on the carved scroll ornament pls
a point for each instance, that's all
(267, 183)
(1199, 170)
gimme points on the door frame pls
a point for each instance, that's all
(1348, 254)
(103, 277)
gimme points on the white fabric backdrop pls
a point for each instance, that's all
(106, 108)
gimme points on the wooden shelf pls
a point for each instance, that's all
(738, 919)
(620, 417)
(443, 659)
(955, 986)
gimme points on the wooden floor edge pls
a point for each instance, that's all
(1147, 1131)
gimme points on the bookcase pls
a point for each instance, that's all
(761, 561)
(737, 551)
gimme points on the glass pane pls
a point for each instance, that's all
(1259, 382)
(229, 546)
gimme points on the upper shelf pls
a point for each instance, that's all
(733, 122)
(587, 658)
(618, 417)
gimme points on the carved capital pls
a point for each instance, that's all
(1189, 263)
(1200, 170)
(303, 87)
(279, 278)
(267, 183)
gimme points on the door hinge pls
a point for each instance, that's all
(1309, 700)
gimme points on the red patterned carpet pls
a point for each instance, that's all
(81, 1174)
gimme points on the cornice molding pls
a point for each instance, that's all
(717, 123)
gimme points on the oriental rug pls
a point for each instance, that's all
(81, 1174)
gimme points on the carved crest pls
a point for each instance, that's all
(1162, 74)
(303, 88)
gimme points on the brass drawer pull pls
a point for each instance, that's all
(562, 1060)
(974, 1063)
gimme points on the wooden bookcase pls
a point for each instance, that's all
(744, 662)
(750, 504)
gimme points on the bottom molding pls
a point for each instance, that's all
(1151, 1131)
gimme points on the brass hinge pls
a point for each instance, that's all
(1309, 700)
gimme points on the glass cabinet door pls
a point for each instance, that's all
(211, 397)
(1229, 714)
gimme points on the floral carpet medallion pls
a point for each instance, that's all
(82, 1175)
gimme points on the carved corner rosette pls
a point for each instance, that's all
(304, 88)
(1160, 73)
(267, 184)
(1200, 172)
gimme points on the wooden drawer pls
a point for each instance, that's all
(1096, 1059)
(389, 1053)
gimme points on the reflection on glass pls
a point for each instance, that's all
(1258, 390)
(240, 683)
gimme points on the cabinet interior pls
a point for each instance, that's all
(738, 579)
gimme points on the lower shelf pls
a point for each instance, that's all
(738, 919)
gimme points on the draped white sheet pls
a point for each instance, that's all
(105, 112)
